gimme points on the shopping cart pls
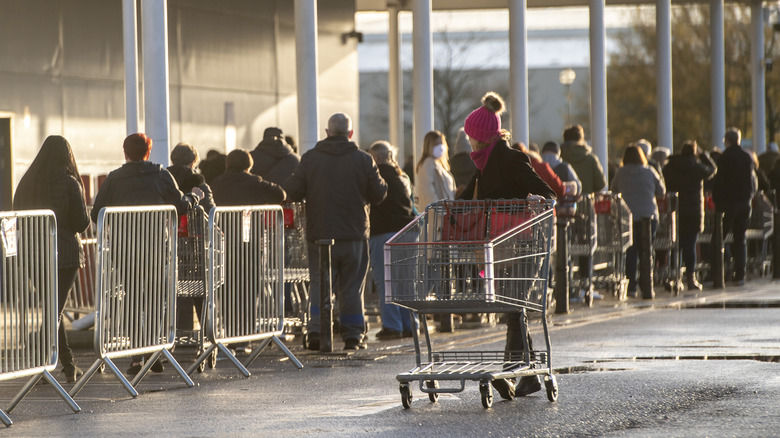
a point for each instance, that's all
(582, 246)
(666, 245)
(473, 256)
(613, 237)
(191, 281)
(296, 267)
(758, 235)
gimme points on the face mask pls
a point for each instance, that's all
(438, 151)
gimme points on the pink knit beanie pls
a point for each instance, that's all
(484, 123)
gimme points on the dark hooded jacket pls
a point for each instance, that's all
(338, 182)
(685, 174)
(141, 183)
(735, 183)
(397, 209)
(274, 160)
(507, 175)
(235, 187)
(187, 179)
(586, 164)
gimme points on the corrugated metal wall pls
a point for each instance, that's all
(61, 62)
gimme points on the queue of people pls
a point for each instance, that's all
(361, 199)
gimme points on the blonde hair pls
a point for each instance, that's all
(432, 139)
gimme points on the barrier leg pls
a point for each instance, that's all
(718, 274)
(326, 296)
(287, 352)
(172, 361)
(646, 260)
(61, 391)
(93, 369)
(562, 268)
(5, 418)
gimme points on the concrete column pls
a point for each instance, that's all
(663, 63)
(717, 73)
(757, 68)
(518, 71)
(306, 59)
(395, 85)
(130, 38)
(422, 40)
(598, 83)
(155, 51)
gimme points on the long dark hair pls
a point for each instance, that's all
(35, 188)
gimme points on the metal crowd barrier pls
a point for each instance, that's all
(28, 302)
(245, 282)
(136, 290)
(582, 245)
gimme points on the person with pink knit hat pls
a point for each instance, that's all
(502, 173)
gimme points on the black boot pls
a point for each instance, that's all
(690, 281)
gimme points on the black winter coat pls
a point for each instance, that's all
(71, 213)
(242, 188)
(187, 179)
(507, 175)
(274, 160)
(140, 183)
(397, 210)
(338, 182)
(686, 175)
(735, 183)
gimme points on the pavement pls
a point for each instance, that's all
(224, 383)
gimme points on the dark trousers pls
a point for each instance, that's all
(688, 247)
(736, 220)
(65, 280)
(633, 251)
(349, 267)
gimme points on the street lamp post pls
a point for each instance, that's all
(566, 77)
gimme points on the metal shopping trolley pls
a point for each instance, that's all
(758, 235)
(666, 245)
(296, 267)
(473, 256)
(613, 237)
(582, 245)
(191, 270)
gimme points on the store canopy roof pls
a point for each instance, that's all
(381, 5)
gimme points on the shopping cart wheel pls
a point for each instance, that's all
(213, 359)
(432, 384)
(406, 395)
(201, 366)
(552, 388)
(487, 394)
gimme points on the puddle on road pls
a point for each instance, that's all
(730, 304)
(585, 369)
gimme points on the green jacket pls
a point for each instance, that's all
(586, 164)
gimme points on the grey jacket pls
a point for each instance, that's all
(338, 182)
(639, 185)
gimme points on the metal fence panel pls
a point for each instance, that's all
(245, 282)
(28, 301)
(136, 288)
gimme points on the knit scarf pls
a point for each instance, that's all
(480, 157)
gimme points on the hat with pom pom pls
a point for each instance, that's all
(484, 123)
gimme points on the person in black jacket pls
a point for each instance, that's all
(685, 174)
(53, 182)
(239, 187)
(387, 218)
(338, 182)
(502, 173)
(733, 189)
(141, 182)
(274, 159)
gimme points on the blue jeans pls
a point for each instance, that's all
(393, 317)
(633, 251)
(349, 265)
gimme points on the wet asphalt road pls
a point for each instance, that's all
(624, 369)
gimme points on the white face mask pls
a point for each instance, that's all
(438, 151)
